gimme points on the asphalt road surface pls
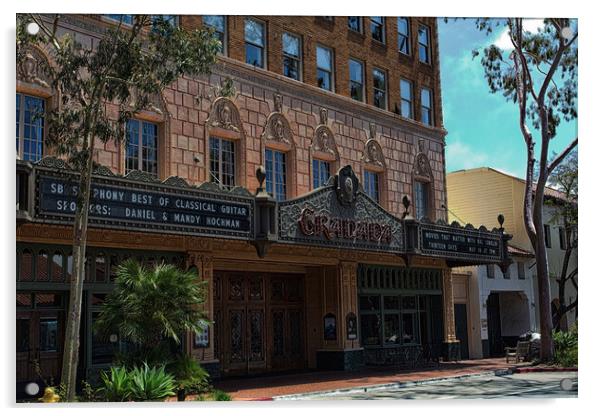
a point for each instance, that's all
(523, 385)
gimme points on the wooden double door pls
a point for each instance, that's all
(39, 345)
(259, 322)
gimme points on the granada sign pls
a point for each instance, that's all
(331, 228)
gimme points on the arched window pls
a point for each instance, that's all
(324, 154)
(57, 267)
(278, 146)
(374, 169)
(26, 266)
(42, 267)
(422, 179)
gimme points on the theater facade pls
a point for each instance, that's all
(317, 220)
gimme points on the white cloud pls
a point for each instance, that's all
(529, 25)
(460, 155)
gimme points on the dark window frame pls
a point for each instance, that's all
(359, 21)
(410, 102)
(263, 47)
(429, 109)
(319, 166)
(330, 71)
(562, 237)
(139, 159)
(218, 176)
(422, 208)
(20, 127)
(426, 47)
(355, 83)
(547, 236)
(490, 268)
(372, 188)
(298, 58)
(376, 90)
(403, 36)
(272, 172)
(380, 27)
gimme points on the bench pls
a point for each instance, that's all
(521, 351)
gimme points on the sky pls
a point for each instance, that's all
(483, 128)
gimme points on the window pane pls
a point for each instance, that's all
(124, 18)
(391, 329)
(57, 266)
(376, 26)
(48, 300)
(369, 303)
(254, 55)
(379, 79)
(254, 32)
(324, 80)
(23, 325)
(103, 350)
(356, 72)
(216, 22)
(421, 199)
(276, 174)
(321, 172)
(391, 302)
(370, 329)
(42, 266)
(371, 184)
(324, 58)
(291, 68)
(408, 302)
(133, 139)
(291, 45)
(149, 148)
(354, 23)
(425, 98)
(409, 328)
(48, 334)
(32, 129)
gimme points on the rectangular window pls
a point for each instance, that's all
(407, 107)
(520, 267)
(324, 64)
(254, 43)
(403, 35)
(377, 28)
(275, 169)
(218, 24)
(562, 237)
(426, 106)
(391, 329)
(141, 147)
(371, 184)
(356, 80)
(222, 162)
(491, 271)
(169, 18)
(321, 172)
(424, 44)
(127, 19)
(30, 127)
(355, 23)
(380, 88)
(546, 232)
(291, 56)
(421, 199)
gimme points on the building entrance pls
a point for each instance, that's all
(40, 326)
(259, 322)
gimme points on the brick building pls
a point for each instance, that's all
(315, 94)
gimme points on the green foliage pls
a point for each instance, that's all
(88, 392)
(190, 376)
(566, 347)
(221, 396)
(151, 383)
(62, 392)
(545, 52)
(117, 385)
(151, 308)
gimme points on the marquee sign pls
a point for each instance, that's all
(460, 243)
(339, 214)
(118, 203)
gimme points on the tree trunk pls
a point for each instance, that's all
(80, 231)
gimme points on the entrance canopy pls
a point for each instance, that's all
(339, 214)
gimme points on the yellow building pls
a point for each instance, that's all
(477, 196)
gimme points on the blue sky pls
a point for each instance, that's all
(482, 127)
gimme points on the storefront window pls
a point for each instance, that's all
(48, 334)
(103, 350)
(391, 302)
(391, 329)
(409, 333)
(370, 303)
(371, 329)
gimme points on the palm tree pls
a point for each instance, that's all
(150, 308)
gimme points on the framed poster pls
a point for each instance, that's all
(351, 326)
(330, 327)
(201, 339)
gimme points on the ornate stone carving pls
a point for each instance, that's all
(323, 140)
(422, 166)
(102, 170)
(34, 67)
(347, 185)
(176, 181)
(53, 162)
(277, 127)
(140, 176)
(224, 114)
(373, 154)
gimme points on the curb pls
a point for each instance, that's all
(544, 369)
(399, 384)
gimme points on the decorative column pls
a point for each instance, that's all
(204, 353)
(451, 346)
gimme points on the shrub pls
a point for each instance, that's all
(151, 383)
(221, 396)
(117, 385)
(566, 350)
(190, 376)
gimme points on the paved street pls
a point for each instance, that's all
(525, 385)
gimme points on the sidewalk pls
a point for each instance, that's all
(266, 387)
